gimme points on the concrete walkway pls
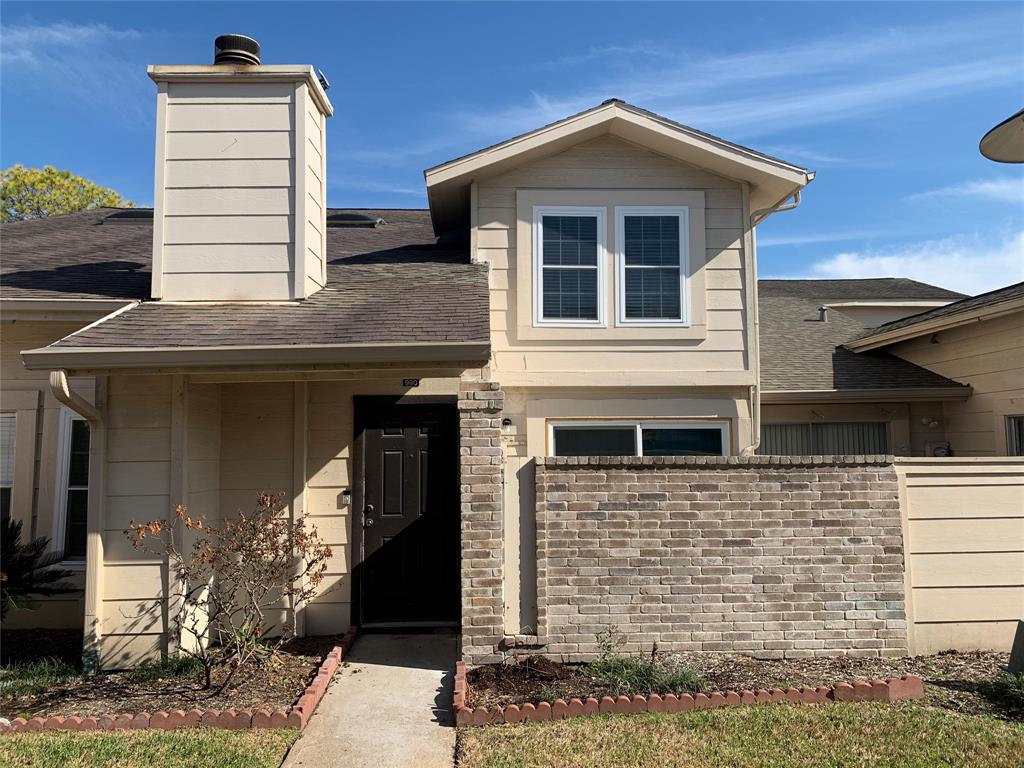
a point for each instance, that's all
(389, 705)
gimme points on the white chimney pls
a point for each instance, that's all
(239, 200)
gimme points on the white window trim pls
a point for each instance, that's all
(14, 456)
(60, 507)
(683, 212)
(600, 212)
(639, 426)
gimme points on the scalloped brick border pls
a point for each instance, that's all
(229, 719)
(893, 689)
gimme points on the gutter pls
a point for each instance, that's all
(106, 358)
(898, 394)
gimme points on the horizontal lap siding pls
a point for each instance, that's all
(964, 532)
(328, 468)
(137, 489)
(609, 163)
(229, 175)
(989, 356)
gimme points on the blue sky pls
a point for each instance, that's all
(886, 101)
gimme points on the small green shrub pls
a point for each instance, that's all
(163, 669)
(1009, 688)
(33, 677)
(626, 675)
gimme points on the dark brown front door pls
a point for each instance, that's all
(407, 503)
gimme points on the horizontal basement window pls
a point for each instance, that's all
(625, 438)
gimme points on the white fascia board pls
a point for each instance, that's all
(895, 395)
(109, 358)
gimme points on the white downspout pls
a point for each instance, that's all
(92, 626)
(755, 390)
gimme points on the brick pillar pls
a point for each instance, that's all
(480, 484)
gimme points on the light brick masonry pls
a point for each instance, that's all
(769, 556)
(480, 478)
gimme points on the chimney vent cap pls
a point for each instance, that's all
(236, 49)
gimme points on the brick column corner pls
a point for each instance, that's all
(480, 485)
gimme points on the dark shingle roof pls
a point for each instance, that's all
(77, 256)
(969, 304)
(391, 284)
(869, 289)
(800, 352)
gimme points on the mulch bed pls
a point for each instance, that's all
(957, 681)
(272, 685)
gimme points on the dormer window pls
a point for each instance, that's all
(651, 265)
(569, 267)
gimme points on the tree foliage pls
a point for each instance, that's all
(239, 574)
(27, 569)
(36, 193)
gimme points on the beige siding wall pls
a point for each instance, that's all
(909, 424)
(138, 487)
(38, 418)
(963, 530)
(608, 171)
(988, 355)
(239, 191)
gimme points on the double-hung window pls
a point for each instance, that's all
(651, 261)
(569, 265)
(630, 438)
(71, 514)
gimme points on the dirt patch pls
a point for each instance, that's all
(275, 684)
(962, 682)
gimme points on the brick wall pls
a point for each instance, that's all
(480, 479)
(770, 556)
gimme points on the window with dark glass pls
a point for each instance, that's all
(634, 439)
(76, 506)
(569, 267)
(1015, 435)
(7, 431)
(651, 268)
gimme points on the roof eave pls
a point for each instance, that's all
(139, 359)
(904, 333)
(890, 395)
(772, 180)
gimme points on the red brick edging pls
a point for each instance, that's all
(893, 689)
(229, 719)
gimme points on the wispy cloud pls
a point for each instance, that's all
(823, 80)
(1005, 190)
(83, 62)
(377, 186)
(631, 51)
(797, 154)
(770, 241)
(966, 263)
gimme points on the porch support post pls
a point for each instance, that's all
(480, 484)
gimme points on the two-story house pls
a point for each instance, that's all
(588, 288)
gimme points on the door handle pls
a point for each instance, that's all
(368, 521)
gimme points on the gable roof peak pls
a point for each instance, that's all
(771, 180)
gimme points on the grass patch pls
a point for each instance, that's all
(908, 735)
(30, 678)
(165, 669)
(144, 749)
(627, 675)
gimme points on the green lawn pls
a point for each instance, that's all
(187, 748)
(836, 735)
